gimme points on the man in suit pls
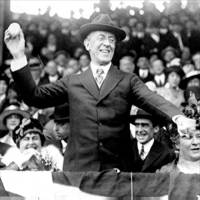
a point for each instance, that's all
(149, 154)
(100, 99)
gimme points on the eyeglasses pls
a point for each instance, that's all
(189, 134)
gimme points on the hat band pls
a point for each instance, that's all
(34, 130)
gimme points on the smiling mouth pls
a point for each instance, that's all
(195, 149)
(105, 51)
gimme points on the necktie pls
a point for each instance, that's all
(99, 76)
(142, 152)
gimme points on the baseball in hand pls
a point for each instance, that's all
(14, 29)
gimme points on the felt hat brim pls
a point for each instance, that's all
(88, 28)
(141, 114)
(5, 114)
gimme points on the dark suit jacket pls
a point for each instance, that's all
(158, 156)
(3, 149)
(99, 125)
(153, 47)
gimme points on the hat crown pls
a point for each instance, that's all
(61, 112)
(102, 22)
(143, 113)
(103, 19)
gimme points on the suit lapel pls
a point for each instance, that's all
(154, 153)
(89, 83)
(112, 79)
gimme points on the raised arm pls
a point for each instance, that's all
(43, 96)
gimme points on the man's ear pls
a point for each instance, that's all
(156, 129)
(86, 44)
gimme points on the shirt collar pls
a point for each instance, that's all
(147, 146)
(94, 68)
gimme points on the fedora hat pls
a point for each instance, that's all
(61, 113)
(102, 23)
(12, 109)
(141, 114)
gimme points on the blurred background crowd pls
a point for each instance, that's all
(162, 48)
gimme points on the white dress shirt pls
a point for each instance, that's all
(147, 147)
(160, 79)
(143, 73)
(105, 68)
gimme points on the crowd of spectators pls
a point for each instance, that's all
(162, 49)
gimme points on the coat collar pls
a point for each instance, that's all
(153, 154)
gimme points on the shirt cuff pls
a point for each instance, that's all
(175, 118)
(17, 64)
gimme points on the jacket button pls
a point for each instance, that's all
(100, 144)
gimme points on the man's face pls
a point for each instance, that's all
(157, 67)
(101, 46)
(62, 130)
(3, 87)
(190, 146)
(51, 68)
(126, 65)
(169, 55)
(30, 140)
(144, 130)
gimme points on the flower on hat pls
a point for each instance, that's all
(25, 122)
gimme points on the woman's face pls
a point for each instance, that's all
(12, 121)
(30, 140)
(3, 87)
(189, 146)
(174, 79)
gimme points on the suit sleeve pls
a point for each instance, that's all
(43, 96)
(152, 102)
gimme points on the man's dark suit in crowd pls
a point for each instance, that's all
(149, 155)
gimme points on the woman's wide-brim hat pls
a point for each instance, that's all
(102, 23)
(188, 77)
(12, 109)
